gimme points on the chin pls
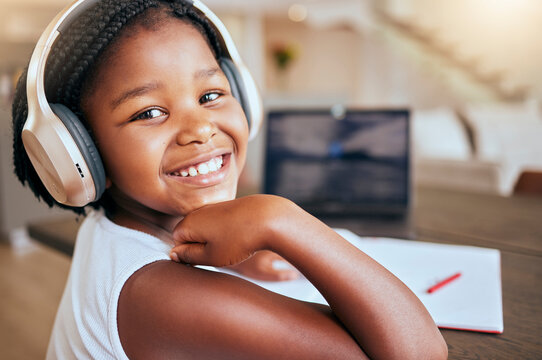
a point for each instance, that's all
(223, 196)
(215, 198)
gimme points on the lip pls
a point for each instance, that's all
(205, 155)
(210, 179)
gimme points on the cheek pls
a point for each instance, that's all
(131, 160)
(243, 142)
(237, 128)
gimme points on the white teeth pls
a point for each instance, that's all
(203, 169)
(210, 166)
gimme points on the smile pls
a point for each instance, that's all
(203, 168)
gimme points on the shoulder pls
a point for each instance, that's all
(171, 310)
(185, 305)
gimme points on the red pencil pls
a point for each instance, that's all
(443, 282)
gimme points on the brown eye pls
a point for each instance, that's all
(149, 114)
(209, 97)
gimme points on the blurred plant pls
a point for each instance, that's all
(284, 54)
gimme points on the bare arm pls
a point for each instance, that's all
(261, 267)
(171, 311)
(372, 311)
(384, 316)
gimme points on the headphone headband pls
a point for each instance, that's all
(58, 146)
(36, 69)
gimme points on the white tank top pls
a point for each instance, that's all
(105, 256)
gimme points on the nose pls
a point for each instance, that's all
(195, 127)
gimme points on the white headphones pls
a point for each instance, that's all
(58, 145)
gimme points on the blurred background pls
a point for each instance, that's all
(468, 71)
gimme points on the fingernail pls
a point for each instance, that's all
(289, 276)
(173, 256)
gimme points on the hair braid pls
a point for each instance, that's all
(72, 63)
(100, 32)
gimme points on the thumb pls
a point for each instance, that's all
(278, 270)
(188, 253)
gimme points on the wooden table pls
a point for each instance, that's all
(512, 225)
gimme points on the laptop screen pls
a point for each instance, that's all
(356, 161)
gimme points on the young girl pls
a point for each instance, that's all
(145, 79)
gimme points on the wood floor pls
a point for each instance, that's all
(32, 279)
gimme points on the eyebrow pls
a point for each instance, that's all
(132, 93)
(206, 73)
(142, 90)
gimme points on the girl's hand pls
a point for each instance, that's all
(227, 233)
(262, 266)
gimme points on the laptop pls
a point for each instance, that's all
(348, 167)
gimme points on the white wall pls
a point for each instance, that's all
(326, 62)
(501, 34)
(389, 78)
(342, 64)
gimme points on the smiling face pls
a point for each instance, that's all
(171, 135)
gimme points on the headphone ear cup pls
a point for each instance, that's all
(237, 88)
(86, 145)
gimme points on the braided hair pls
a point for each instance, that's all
(73, 63)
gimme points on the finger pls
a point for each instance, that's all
(283, 275)
(275, 269)
(283, 270)
(269, 255)
(191, 253)
(273, 275)
(277, 256)
(287, 275)
(180, 234)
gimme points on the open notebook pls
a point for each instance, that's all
(471, 302)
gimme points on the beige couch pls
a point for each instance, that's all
(481, 148)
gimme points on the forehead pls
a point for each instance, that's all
(172, 33)
(142, 50)
(154, 18)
